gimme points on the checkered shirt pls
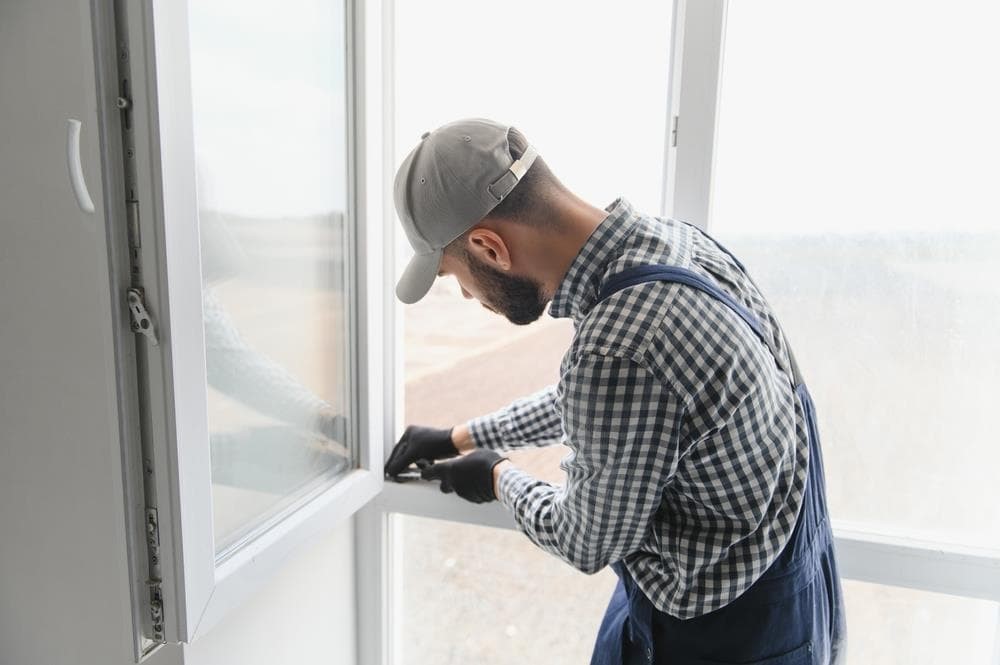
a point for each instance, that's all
(688, 449)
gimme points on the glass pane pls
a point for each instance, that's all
(894, 626)
(859, 185)
(566, 95)
(567, 102)
(472, 594)
(270, 100)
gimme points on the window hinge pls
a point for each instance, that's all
(156, 610)
(673, 131)
(154, 584)
(153, 536)
(141, 321)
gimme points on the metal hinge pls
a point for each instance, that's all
(154, 584)
(156, 610)
(143, 520)
(673, 131)
(153, 536)
(142, 322)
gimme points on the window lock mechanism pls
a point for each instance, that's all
(141, 321)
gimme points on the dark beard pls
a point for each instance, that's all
(520, 299)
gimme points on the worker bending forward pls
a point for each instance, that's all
(695, 469)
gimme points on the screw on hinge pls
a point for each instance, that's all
(141, 321)
(153, 536)
(673, 132)
(123, 103)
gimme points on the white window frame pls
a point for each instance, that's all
(197, 589)
(694, 85)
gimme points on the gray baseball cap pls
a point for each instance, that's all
(454, 177)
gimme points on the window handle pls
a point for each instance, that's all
(76, 166)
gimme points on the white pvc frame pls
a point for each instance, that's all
(692, 105)
(197, 590)
(694, 85)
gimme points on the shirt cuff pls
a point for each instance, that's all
(489, 431)
(512, 485)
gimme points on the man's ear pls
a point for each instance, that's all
(490, 248)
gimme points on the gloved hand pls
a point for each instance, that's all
(419, 443)
(470, 476)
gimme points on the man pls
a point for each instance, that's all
(695, 469)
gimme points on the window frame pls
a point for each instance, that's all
(693, 103)
(198, 589)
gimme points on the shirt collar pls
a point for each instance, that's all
(577, 292)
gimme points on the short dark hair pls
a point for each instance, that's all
(531, 199)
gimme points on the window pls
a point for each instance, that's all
(270, 132)
(591, 97)
(895, 625)
(858, 184)
(916, 550)
(854, 174)
(263, 398)
(474, 594)
(596, 111)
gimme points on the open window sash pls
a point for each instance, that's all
(190, 584)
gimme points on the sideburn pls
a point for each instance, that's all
(518, 298)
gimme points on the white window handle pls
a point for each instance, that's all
(76, 166)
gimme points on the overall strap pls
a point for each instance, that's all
(746, 273)
(654, 272)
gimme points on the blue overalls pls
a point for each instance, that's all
(793, 614)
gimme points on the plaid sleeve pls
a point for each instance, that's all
(533, 420)
(624, 426)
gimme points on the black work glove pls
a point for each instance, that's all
(419, 443)
(470, 476)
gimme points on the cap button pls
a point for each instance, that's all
(424, 135)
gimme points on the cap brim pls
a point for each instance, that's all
(418, 276)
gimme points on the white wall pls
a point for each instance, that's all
(63, 576)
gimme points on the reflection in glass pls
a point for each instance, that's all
(269, 97)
